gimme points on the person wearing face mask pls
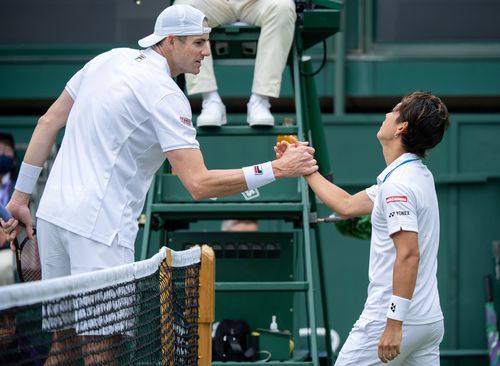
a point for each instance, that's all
(8, 174)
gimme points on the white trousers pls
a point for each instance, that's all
(63, 253)
(276, 19)
(419, 346)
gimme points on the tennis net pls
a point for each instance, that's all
(154, 312)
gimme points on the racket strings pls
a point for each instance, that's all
(28, 260)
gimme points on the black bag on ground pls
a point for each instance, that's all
(232, 342)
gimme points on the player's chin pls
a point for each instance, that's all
(196, 68)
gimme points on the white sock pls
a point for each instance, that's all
(211, 96)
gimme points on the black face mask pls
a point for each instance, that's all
(6, 164)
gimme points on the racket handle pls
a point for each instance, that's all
(4, 214)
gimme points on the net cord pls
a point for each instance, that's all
(35, 292)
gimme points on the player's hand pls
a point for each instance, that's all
(280, 148)
(18, 207)
(390, 342)
(282, 145)
(295, 160)
(3, 237)
(8, 230)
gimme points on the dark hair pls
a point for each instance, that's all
(427, 118)
(7, 139)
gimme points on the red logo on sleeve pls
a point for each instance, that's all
(391, 199)
(186, 121)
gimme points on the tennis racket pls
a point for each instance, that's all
(27, 256)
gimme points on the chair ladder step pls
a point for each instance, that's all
(262, 286)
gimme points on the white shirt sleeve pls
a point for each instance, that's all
(74, 83)
(400, 207)
(172, 121)
(372, 192)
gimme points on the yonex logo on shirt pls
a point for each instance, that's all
(399, 213)
(391, 199)
(257, 169)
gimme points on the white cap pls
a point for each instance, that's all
(176, 20)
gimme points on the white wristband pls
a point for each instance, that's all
(258, 175)
(28, 175)
(398, 308)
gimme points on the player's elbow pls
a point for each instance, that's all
(197, 196)
(44, 121)
(196, 184)
(411, 257)
(197, 191)
(347, 211)
(47, 123)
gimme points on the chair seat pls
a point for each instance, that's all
(234, 41)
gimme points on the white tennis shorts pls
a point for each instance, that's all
(63, 253)
(419, 346)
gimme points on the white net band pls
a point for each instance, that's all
(41, 291)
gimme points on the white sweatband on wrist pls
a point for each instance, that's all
(258, 175)
(28, 175)
(398, 308)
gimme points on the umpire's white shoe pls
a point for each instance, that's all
(258, 113)
(213, 113)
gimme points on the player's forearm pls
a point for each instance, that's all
(31, 167)
(41, 143)
(217, 183)
(405, 273)
(203, 183)
(38, 150)
(331, 195)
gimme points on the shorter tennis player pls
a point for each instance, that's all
(401, 322)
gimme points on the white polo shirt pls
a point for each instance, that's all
(127, 112)
(404, 199)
